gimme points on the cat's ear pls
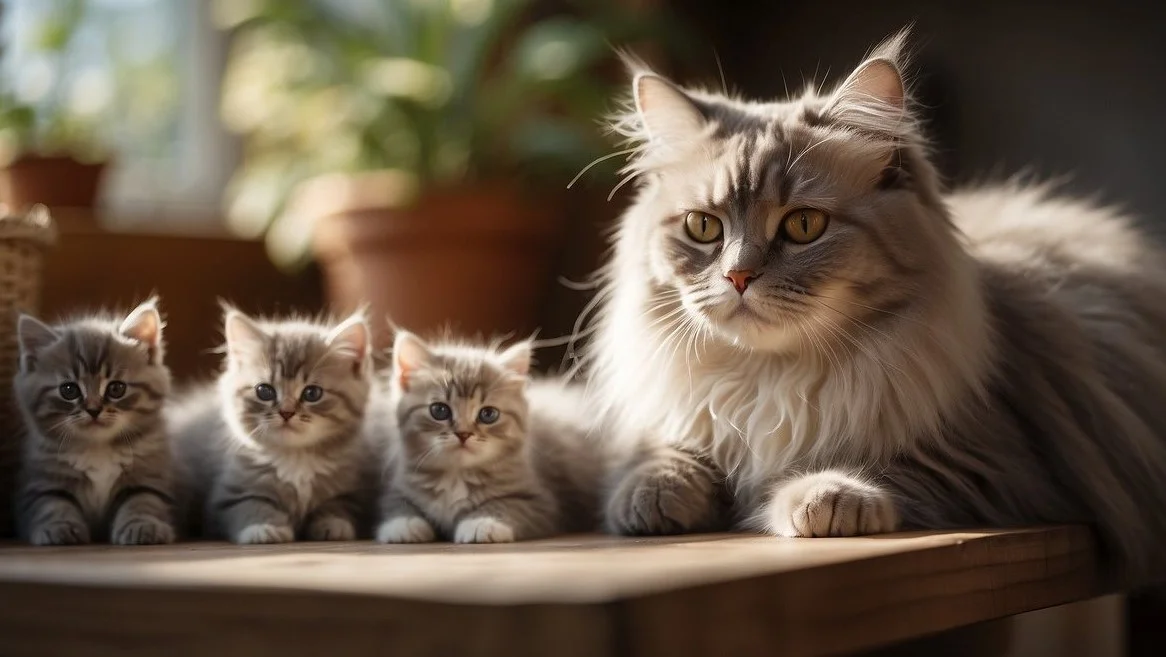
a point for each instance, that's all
(668, 114)
(144, 326)
(518, 358)
(33, 335)
(243, 335)
(874, 97)
(351, 338)
(409, 354)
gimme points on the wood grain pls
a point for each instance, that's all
(579, 595)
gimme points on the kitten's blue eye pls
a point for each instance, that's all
(440, 412)
(115, 390)
(265, 392)
(312, 394)
(69, 391)
(489, 415)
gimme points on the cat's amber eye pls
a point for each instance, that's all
(265, 392)
(115, 390)
(703, 227)
(804, 225)
(69, 391)
(312, 394)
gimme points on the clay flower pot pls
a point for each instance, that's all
(480, 260)
(55, 181)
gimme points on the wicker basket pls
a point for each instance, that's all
(23, 240)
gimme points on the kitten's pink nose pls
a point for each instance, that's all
(287, 415)
(463, 436)
(740, 278)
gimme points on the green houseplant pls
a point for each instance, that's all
(49, 151)
(405, 142)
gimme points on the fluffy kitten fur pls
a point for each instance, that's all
(992, 357)
(481, 454)
(263, 460)
(96, 460)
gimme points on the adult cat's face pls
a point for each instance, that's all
(95, 380)
(296, 384)
(778, 225)
(459, 406)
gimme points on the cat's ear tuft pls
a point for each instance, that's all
(144, 325)
(409, 353)
(668, 114)
(351, 337)
(518, 358)
(34, 335)
(242, 334)
(874, 97)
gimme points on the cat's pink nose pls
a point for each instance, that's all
(287, 415)
(740, 278)
(463, 436)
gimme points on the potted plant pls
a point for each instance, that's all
(410, 146)
(49, 152)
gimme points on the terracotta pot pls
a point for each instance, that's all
(478, 260)
(56, 181)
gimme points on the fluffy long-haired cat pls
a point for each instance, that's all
(479, 453)
(801, 325)
(96, 460)
(275, 451)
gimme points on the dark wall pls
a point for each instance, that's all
(1055, 88)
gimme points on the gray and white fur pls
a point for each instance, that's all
(929, 360)
(478, 453)
(96, 461)
(276, 450)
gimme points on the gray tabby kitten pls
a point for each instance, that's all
(96, 460)
(803, 334)
(276, 450)
(480, 454)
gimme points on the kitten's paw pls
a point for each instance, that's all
(59, 533)
(830, 504)
(406, 529)
(143, 531)
(673, 495)
(331, 528)
(483, 530)
(264, 533)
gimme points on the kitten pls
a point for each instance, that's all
(798, 320)
(475, 457)
(276, 451)
(96, 461)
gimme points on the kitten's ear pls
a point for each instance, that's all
(518, 358)
(409, 354)
(144, 326)
(243, 335)
(34, 335)
(669, 115)
(352, 338)
(874, 96)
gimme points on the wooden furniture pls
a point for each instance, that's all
(572, 596)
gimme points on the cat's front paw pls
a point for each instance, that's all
(406, 529)
(483, 530)
(264, 533)
(830, 504)
(143, 531)
(330, 528)
(671, 495)
(59, 533)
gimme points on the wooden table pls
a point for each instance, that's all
(580, 595)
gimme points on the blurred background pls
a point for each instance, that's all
(313, 154)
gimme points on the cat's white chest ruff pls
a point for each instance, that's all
(451, 494)
(300, 472)
(102, 467)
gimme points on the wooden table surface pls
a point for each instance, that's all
(578, 595)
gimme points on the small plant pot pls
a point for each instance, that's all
(478, 260)
(55, 181)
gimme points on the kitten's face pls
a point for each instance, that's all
(459, 406)
(784, 224)
(93, 381)
(295, 384)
